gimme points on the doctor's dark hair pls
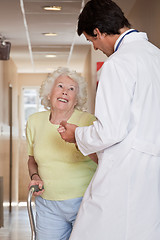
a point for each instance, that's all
(105, 15)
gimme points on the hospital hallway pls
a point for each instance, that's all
(34, 42)
(16, 224)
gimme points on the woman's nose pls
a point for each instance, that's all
(64, 92)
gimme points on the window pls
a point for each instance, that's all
(31, 103)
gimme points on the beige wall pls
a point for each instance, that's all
(90, 74)
(23, 81)
(145, 17)
(8, 76)
(20, 179)
(96, 56)
(1, 91)
(87, 75)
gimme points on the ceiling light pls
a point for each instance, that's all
(50, 56)
(52, 8)
(50, 34)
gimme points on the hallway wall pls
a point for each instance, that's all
(24, 80)
(144, 16)
(8, 76)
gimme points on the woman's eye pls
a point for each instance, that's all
(72, 89)
(60, 85)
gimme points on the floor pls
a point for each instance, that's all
(16, 224)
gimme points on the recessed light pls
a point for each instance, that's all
(50, 56)
(52, 8)
(50, 34)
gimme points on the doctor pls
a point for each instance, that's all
(122, 201)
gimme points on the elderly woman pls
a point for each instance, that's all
(59, 166)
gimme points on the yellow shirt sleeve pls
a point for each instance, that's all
(29, 138)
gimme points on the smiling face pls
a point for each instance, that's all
(63, 95)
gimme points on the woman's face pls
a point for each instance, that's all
(63, 95)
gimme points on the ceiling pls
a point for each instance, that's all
(23, 22)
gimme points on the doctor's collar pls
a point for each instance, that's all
(121, 37)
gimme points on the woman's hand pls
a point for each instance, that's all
(40, 185)
(33, 172)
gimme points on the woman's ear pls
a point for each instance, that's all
(76, 101)
(48, 96)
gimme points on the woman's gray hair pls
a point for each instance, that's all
(47, 85)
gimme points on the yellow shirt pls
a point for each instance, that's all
(65, 172)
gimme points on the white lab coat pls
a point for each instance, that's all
(122, 201)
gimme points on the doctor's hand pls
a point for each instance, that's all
(67, 131)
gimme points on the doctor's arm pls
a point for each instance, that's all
(67, 132)
(113, 112)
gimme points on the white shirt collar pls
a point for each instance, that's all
(121, 36)
(140, 35)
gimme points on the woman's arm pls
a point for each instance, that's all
(35, 178)
(94, 157)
